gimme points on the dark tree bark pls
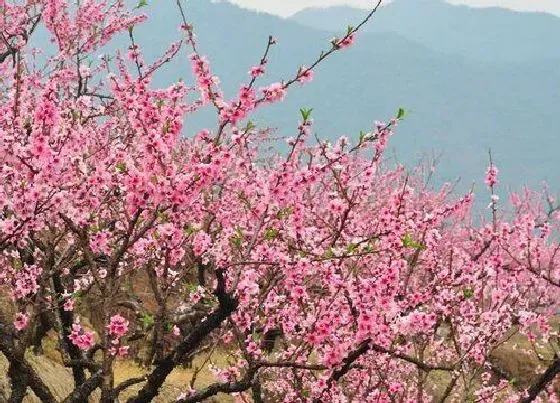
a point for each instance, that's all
(227, 305)
(227, 387)
(41, 329)
(20, 372)
(269, 339)
(67, 318)
(18, 381)
(543, 381)
(81, 393)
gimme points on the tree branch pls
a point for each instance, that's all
(543, 381)
(213, 321)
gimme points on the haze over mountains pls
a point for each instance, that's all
(489, 34)
(472, 78)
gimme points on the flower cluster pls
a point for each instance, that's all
(81, 338)
(491, 176)
(21, 320)
(118, 326)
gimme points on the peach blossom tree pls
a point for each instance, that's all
(326, 274)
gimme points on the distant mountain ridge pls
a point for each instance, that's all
(461, 104)
(490, 34)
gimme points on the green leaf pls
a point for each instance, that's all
(211, 302)
(162, 216)
(401, 113)
(130, 29)
(306, 113)
(188, 229)
(368, 249)
(121, 166)
(243, 197)
(236, 242)
(468, 293)
(408, 242)
(270, 234)
(349, 28)
(147, 320)
(142, 3)
(351, 248)
(237, 239)
(329, 254)
(249, 126)
(192, 287)
(284, 213)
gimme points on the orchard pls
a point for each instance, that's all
(325, 273)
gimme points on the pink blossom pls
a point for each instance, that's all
(341, 254)
(491, 176)
(345, 42)
(274, 92)
(84, 340)
(123, 351)
(201, 242)
(256, 71)
(305, 75)
(69, 304)
(21, 321)
(118, 326)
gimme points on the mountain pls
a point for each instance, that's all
(489, 34)
(460, 105)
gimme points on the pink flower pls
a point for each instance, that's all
(491, 176)
(176, 331)
(69, 305)
(305, 75)
(256, 71)
(299, 291)
(345, 42)
(274, 92)
(21, 321)
(227, 337)
(118, 325)
(201, 242)
(252, 347)
(82, 339)
(123, 351)
(99, 242)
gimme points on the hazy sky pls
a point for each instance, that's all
(287, 7)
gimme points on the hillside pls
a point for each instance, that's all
(460, 103)
(460, 106)
(489, 34)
